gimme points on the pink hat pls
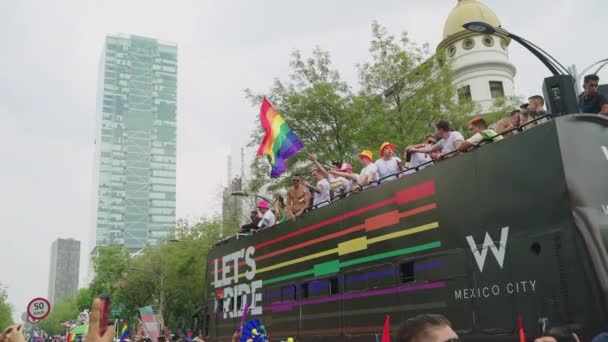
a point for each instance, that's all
(345, 167)
(263, 205)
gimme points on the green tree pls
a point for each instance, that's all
(6, 309)
(181, 263)
(84, 299)
(110, 265)
(317, 105)
(66, 310)
(415, 87)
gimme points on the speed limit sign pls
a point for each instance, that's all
(38, 308)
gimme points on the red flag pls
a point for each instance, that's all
(522, 334)
(386, 333)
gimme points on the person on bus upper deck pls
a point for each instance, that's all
(337, 185)
(343, 172)
(369, 172)
(321, 189)
(388, 164)
(280, 209)
(416, 158)
(450, 140)
(268, 219)
(426, 328)
(255, 219)
(590, 101)
(298, 197)
(479, 134)
(604, 110)
(537, 104)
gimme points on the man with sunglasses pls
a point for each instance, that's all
(449, 141)
(427, 328)
(298, 197)
(417, 158)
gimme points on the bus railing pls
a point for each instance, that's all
(360, 189)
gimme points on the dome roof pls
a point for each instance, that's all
(465, 12)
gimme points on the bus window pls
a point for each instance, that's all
(406, 271)
(288, 293)
(334, 286)
(304, 290)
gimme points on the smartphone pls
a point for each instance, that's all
(104, 313)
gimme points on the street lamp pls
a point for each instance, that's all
(559, 89)
(245, 194)
(161, 278)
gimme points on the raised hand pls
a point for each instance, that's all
(13, 333)
(93, 334)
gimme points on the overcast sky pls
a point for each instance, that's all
(48, 84)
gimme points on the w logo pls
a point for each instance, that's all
(481, 254)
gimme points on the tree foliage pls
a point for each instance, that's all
(6, 310)
(403, 90)
(66, 310)
(109, 264)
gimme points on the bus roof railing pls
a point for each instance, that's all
(361, 189)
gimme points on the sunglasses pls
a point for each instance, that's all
(430, 141)
(295, 180)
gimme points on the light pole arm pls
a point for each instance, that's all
(534, 51)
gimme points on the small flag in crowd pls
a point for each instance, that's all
(522, 334)
(124, 332)
(71, 337)
(280, 141)
(386, 332)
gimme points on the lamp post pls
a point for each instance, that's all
(559, 89)
(543, 56)
(245, 194)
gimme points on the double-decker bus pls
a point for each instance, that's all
(515, 229)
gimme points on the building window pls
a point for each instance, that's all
(451, 51)
(406, 271)
(464, 94)
(334, 286)
(503, 43)
(304, 290)
(496, 89)
(488, 41)
(468, 44)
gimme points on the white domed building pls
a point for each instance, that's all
(482, 70)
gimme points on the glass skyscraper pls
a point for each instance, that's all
(136, 142)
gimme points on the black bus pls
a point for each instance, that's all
(515, 229)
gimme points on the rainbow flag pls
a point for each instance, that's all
(124, 332)
(280, 142)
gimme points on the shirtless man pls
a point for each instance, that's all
(298, 198)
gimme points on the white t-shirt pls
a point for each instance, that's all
(419, 159)
(339, 185)
(324, 195)
(267, 220)
(388, 167)
(365, 173)
(447, 145)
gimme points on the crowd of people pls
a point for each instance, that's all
(420, 328)
(338, 180)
